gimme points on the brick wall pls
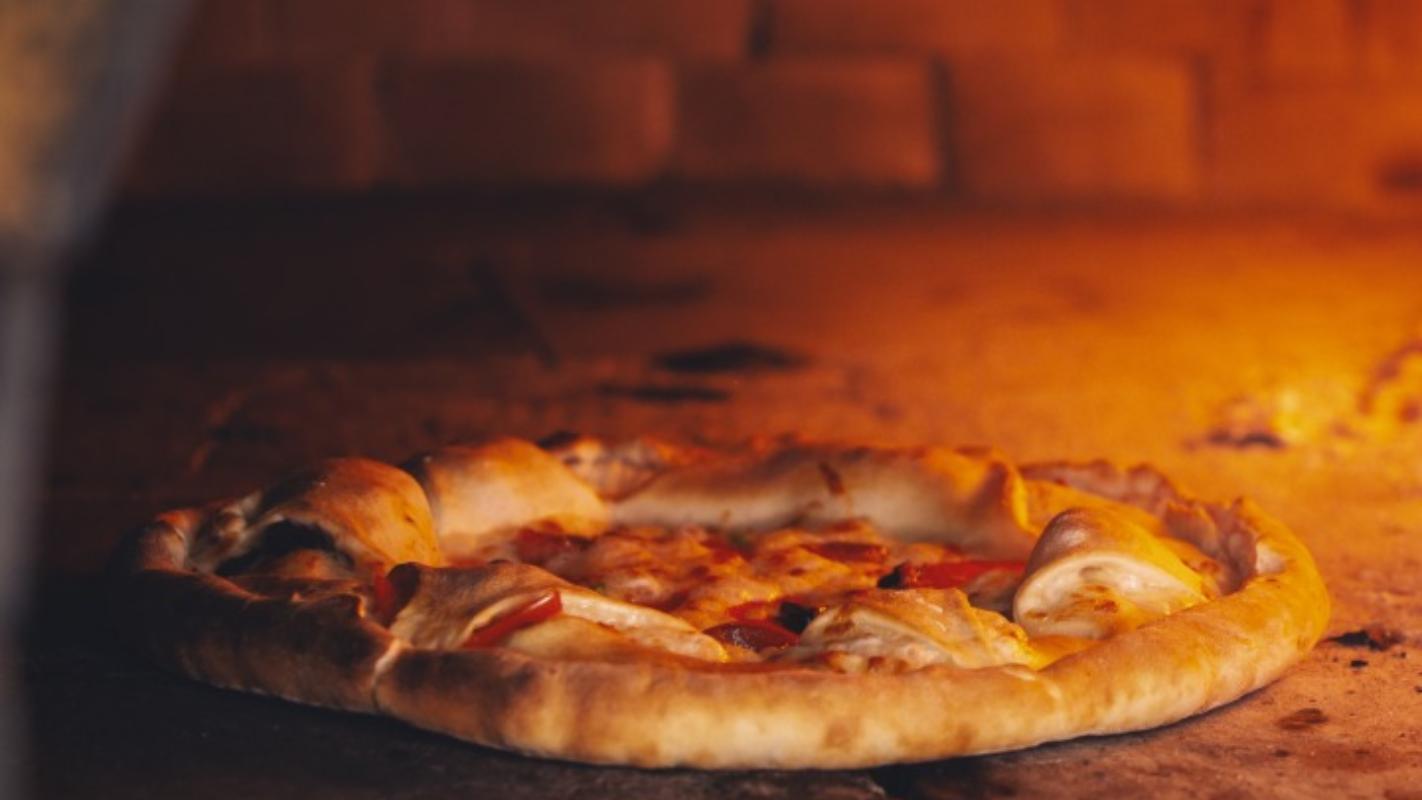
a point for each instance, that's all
(1197, 102)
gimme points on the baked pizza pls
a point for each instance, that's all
(783, 604)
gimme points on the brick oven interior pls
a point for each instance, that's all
(1180, 232)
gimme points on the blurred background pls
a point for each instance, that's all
(237, 236)
(1194, 103)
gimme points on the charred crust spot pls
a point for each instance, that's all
(841, 734)
(666, 394)
(795, 616)
(1302, 719)
(1401, 174)
(282, 539)
(1266, 439)
(291, 488)
(735, 356)
(595, 293)
(893, 580)
(834, 482)
(1373, 637)
(558, 439)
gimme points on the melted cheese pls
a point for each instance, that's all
(701, 578)
(1099, 595)
(643, 625)
(909, 629)
(641, 577)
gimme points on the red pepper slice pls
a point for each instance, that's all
(383, 593)
(531, 613)
(538, 547)
(755, 610)
(390, 591)
(949, 574)
(753, 634)
(790, 613)
(850, 552)
(721, 549)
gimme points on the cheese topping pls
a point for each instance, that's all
(1096, 575)
(911, 629)
(843, 597)
(703, 577)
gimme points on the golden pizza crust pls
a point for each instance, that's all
(478, 492)
(313, 647)
(658, 714)
(373, 513)
(579, 688)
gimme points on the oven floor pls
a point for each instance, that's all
(209, 350)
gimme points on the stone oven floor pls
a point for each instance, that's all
(210, 350)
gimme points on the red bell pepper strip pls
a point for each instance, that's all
(538, 610)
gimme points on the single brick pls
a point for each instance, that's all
(949, 26)
(1320, 146)
(866, 121)
(716, 29)
(262, 128)
(578, 120)
(1080, 128)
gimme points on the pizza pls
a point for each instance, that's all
(779, 604)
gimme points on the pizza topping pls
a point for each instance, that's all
(851, 552)
(796, 616)
(790, 615)
(711, 602)
(390, 591)
(709, 578)
(909, 629)
(988, 584)
(753, 635)
(454, 608)
(541, 545)
(921, 493)
(644, 625)
(1095, 574)
(538, 610)
(762, 592)
(834, 482)
(480, 493)
(722, 550)
(820, 564)
(944, 574)
(754, 610)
